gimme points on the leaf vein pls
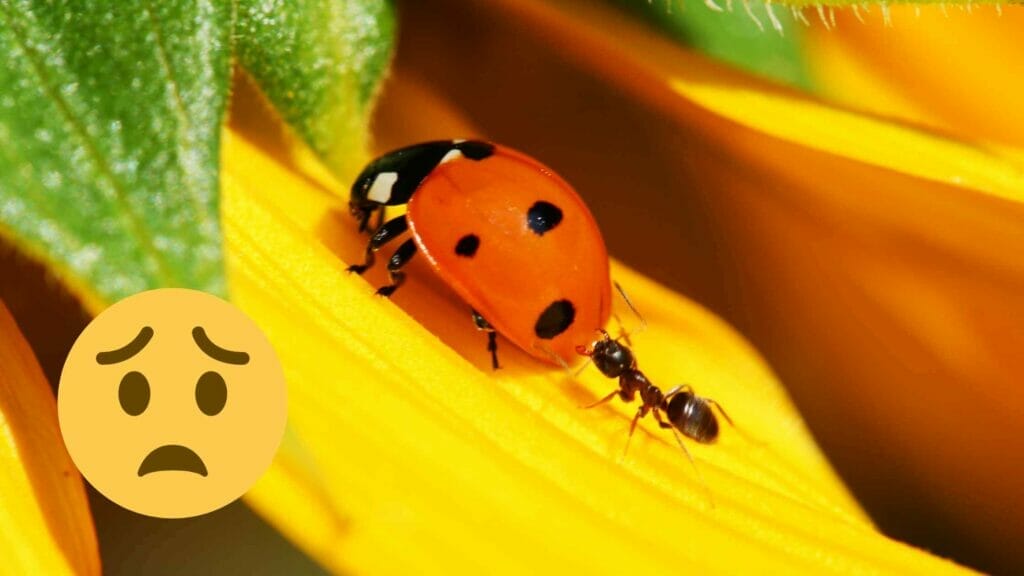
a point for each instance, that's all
(163, 273)
(184, 127)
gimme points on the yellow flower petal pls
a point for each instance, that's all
(435, 464)
(951, 69)
(45, 524)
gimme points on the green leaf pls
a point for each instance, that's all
(109, 133)
(319, 62)
(110, 119)
(730, 33)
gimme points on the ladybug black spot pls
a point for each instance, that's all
(543, 217)
(467, 245)
(555, 319)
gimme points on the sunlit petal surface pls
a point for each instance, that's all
(45, 525)
(950, 68)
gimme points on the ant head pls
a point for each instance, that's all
(610, 357)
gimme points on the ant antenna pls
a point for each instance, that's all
(582, 367)
(622, 331)
(686, 388)
(632, 308)
(607, 398)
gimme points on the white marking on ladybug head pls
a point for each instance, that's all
(453, 154)
(380, 190)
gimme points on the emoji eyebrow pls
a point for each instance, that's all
(127, 351)
(216, 352)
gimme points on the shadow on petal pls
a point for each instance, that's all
(45, 524)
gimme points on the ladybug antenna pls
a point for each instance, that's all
(643, 322)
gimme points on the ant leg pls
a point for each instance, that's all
(384, 234)
(689, 390)
(680, 389)
(492, 337)
(679, 440)
(580, 369)
(673, 391)
(538, 345)
(601, 401)
(720, 409)
(657, 416)
(400, 258)
(700, 476)
(632, 428)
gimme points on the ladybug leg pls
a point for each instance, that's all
(492, 337)
(384, 234)
(399, 259)
(380, 219)
(366, 210)
(362, 214)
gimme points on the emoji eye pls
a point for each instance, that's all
(211, 393)
(133, 393)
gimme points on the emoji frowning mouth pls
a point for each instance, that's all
(172, 457)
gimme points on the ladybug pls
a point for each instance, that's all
(505, 232)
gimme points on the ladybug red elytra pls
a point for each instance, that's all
(507, 234)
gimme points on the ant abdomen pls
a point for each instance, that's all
(692, 416)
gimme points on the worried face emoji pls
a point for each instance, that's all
(172, 403)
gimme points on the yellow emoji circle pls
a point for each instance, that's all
(172, 403)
